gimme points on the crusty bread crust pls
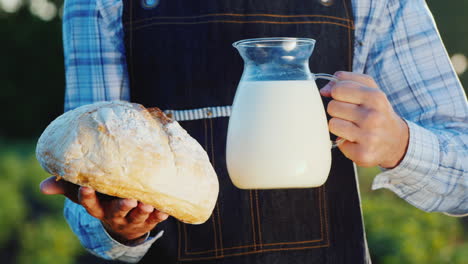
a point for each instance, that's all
(159, 115)
(125, 150)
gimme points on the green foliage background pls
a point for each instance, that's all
(32, 228)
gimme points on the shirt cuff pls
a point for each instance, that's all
(97, 241)
(414, 171)
(127, 253)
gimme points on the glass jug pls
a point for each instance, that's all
(278, 132)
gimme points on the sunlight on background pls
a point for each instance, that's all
(460, 63)
(10, 6)
(44, 9)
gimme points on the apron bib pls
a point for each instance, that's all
(180, 59)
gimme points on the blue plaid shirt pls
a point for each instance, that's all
(397, 43)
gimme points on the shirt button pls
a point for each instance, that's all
(209, 112)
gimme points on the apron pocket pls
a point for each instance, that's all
(292, 219)
(251, 221)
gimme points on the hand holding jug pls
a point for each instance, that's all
(278, 133)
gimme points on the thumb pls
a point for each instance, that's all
(51, 186)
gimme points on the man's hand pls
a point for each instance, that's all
(362, 114)
(126, 220)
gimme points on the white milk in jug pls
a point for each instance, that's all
(278, 136)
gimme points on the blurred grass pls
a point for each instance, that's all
(33, 230)
(399, 233)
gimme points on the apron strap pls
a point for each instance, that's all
(199, 113)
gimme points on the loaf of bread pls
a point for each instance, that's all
(123, 149)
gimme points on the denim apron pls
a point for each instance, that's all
(180, 59)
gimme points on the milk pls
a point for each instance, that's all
(278, 136)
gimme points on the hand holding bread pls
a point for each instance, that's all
(125, 150)
(126, 220)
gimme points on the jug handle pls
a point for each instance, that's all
(331, 78)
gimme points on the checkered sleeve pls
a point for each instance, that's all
(95, 66)
(95, 70)
(411, 65)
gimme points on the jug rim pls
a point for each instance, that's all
(253, 41)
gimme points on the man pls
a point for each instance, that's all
(401, 108)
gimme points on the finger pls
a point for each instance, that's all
(90, 201)
(326, 90)
(352, 92)
(119, 208)
(345, 111)
(364, 79)
(355, 152)
(349, 149)
(140, 213)
(51, 186)
(344, 129)
(156, 217)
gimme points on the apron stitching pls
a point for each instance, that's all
(258, 220)
(185, 236)
(241, 22)
(292, 243)
(179, 255)
(212, 143)
(220, 236)
(326, 217)
(215, 235)
(220, 232)
(253, 220)
(214, 250)
(320, 211)
(234, 14)
(254, 252)
(349, 37)
(321, 201)
(206, 135)
(213, 162)
(264, 245)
